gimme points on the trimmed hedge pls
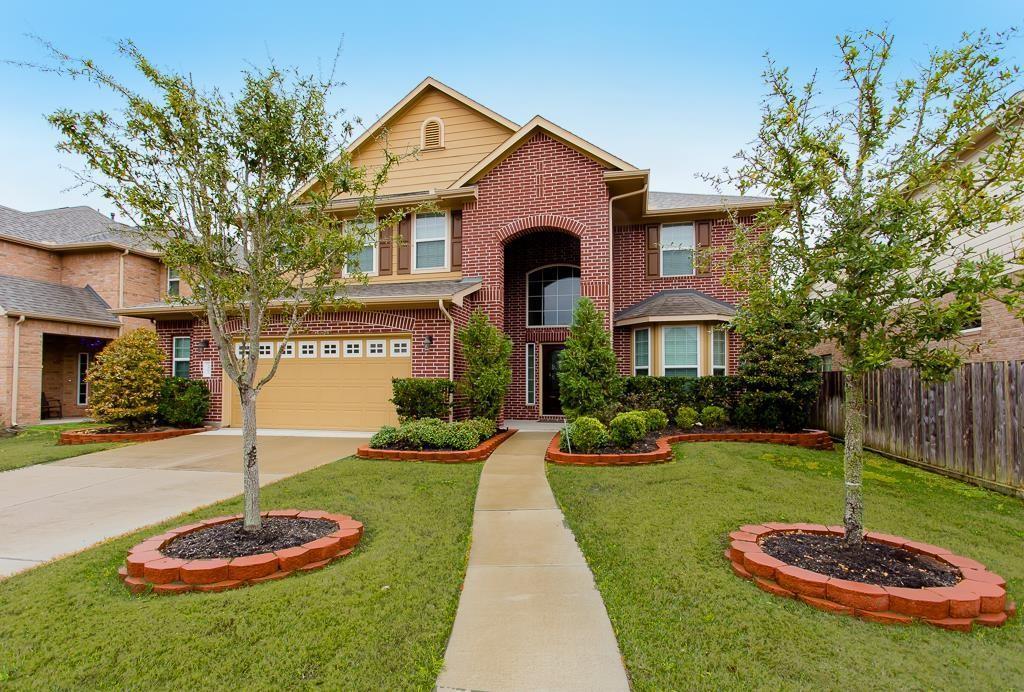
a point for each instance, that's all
(584, 435)
(686, 417)
(420, 397)
(669, 393)
(434, 434)
(626, 429)
(184, 403)
(713, 417)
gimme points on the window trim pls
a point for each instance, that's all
(325, 344)
(286, 349)
(408, 348)
(447, 244)
(711, 349)
(316, 349)
(383, 348)
(358, 343)
(81, 383)
(664, 351)
(269, 345)
(174, 355)
(661, 249)
(633, 351)
(176, 280)
(374, 243)
(530, 363)
(526, 316)
(423, 133)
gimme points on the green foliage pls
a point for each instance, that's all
(712, 417)
(584, 435)
(485, 427)
(384, 438)
(686, 417)
(588, 378)
(421, 397)
(125, 380)
(628, 428)
(656, 419)
(487, 376)
(184, 403)
(669, 393)
(432, 433)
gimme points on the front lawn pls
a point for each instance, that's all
(38, 444)
(654, 537)
(377, 619)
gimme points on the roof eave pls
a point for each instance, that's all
(660, 319)
(29, 315)
(67, 247)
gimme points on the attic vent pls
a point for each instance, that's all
(432, 134)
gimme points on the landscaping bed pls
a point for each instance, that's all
(40, 444)
(448, 456)
(106, 435)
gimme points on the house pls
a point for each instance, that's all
(530, 218)
(62, 272)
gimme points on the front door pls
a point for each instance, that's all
(551, 402)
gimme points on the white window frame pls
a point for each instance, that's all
(174, 354)
(173, 277)
(407, 343)
(266, 350)
(650, 365)
(287, 349)
(711, 350)
(358, 350)
(82, 384)
(312, 348)
(664, 351)
(526, 317)
(662, 250)
(376, 254)
(531, 373)
(241, 349)
(371, 343)
(326, 346)
(447, 245)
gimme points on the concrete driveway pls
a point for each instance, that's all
(53, 509)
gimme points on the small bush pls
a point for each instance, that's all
(430, 434)
(656, 419)
(385, 437)
(585, 435)
(488, 375)
(713, 417)
(686, 417)
(486, 427)
(626, 429)
(125, 380)
(416, 398)
(184, 403)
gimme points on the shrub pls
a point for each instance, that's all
(686, 417)
(656, 419)
(184, 403)
(429, 433)
(626, 429)
(486, 427)
(125, 380)
(420, 397)
(385, 437)
(585, 435)
(713, 417)
(588, 379)
(487, 377)
(669, 393)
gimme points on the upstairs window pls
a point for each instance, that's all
(677, 245)
(551, 295)
(173, 282)
(365, 261)
(432, 134)
(430, 242)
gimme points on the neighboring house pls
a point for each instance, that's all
(62, 271)
(531, 217)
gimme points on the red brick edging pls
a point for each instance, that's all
(83, 437)
(980, 598)
(146, 567)
(811, 439)
(478, 453)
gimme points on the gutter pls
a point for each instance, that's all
(15, 371)
(451, 349)
(611, 256)
(62, 319)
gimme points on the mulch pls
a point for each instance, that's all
(232, 540)
(873, 563)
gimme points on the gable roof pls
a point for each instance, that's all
(68, 228)
(676, 304)
(42, 299)
(541, 124)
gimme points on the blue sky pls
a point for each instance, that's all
(672, 86)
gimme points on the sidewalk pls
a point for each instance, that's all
(530, 616)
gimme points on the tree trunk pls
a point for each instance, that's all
(853, 459)
(250, 466)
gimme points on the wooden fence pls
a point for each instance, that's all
(971, 427)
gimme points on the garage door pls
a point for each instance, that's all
(330, 382)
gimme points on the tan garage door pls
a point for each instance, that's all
(330, 382)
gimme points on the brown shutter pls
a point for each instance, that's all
(653, 248)
(457, 240)
(405, 244)
(384, 245)
(703, 229)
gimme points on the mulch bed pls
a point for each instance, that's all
(232, 540)
(873, 563)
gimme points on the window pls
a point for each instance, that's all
(430, 241)
(241, 349)
(366, 261)
(551, 295)
(974, 325)
(266, 349)
(353, 349)
(432, 134)
(307, 349)
(719, 344)
(287, 350)
(328, 349)
(399, 347)
(173, 282)
(375, 348)
(83, 385)
(677, 249)
(182, 355)
(531, 374)
(642, 352)
(680, 347)
(825, 363)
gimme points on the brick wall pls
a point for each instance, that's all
(29, 262)
(99, 269)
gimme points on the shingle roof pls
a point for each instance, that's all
(68, 226)
(19, 295)
(675, 303)
(661, 201)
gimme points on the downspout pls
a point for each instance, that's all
(451, 350)
(120, 284)
(14, 371)
(611, 256)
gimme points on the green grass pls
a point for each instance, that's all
(377, 619)
(654, 537)
(37, 444)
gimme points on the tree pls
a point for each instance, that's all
(209, 178)
(588, 378)
(875, 196)
(125, 380)
(488, 376)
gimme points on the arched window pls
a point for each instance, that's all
(432, 134)
(551, 295)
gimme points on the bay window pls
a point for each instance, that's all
(719, 344)
(642, 352)
(681, 349)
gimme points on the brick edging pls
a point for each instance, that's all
(478, 453)
(980, 598)
(147, 568)
(810, 439)
(82, 437)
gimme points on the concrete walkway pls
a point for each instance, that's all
(52, 509)
(530, 617)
